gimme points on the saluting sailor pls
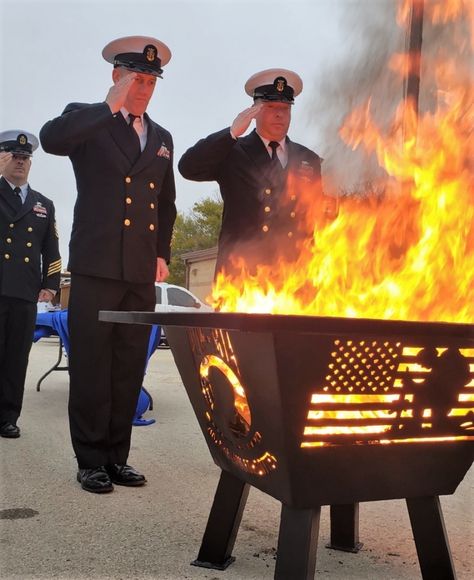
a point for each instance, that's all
(30, 267)
(259, 175)
(120, 244)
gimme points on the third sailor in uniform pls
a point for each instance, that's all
(30, 268)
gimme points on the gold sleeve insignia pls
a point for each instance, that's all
(54, 267)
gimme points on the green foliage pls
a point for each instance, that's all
(195, 230)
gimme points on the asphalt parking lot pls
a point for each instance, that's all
(50, 528)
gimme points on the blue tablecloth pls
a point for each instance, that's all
(55, 324)
(52, 324)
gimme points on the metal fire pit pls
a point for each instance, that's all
(326, 411)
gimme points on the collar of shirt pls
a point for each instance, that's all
(140, 128)
(23, 189)
(282, 152)
(126, 113)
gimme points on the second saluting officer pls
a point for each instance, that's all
(30, 269)
(120, 243)
(260, 175)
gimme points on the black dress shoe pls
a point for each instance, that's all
(95, 480)
(9, 430)
(125, 475)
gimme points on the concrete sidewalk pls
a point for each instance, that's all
(50, 528)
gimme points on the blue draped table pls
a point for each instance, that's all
(54, 323)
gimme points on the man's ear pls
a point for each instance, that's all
(116, 75)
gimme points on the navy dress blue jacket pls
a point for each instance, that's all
(29, 248)
(125, 207)
(263, 208)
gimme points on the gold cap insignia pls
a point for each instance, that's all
(280, 84)
(150, 52)
(22, 140)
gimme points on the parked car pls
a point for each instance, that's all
(171, 298)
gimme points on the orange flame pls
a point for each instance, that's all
(437, 11)
(408, 255)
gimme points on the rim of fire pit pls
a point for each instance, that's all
(278, 323)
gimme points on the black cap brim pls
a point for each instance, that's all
(139, 67)
(13, 148)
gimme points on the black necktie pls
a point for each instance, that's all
(17, 198)
(135, 137)
(274, 146)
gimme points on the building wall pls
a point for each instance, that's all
(200, 277)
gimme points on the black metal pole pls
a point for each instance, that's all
(412, 94)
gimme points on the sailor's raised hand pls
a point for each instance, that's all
(118, 92)
(242, 121)
(5, 159)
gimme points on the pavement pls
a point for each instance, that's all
(50, 528)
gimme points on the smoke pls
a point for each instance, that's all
(371, 37)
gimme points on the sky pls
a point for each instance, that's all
(50, 55)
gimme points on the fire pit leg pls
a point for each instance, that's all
(297, 543)
(223, 523)
(345, 528)
(431, 538)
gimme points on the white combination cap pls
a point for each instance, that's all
(138, 53)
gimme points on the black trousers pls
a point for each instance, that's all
(17, 327)
(106, 366)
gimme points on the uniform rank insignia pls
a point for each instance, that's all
(40, 210)
(54, 268)
(163, 151)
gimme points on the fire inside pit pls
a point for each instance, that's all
(402, 247)
(326, 411)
